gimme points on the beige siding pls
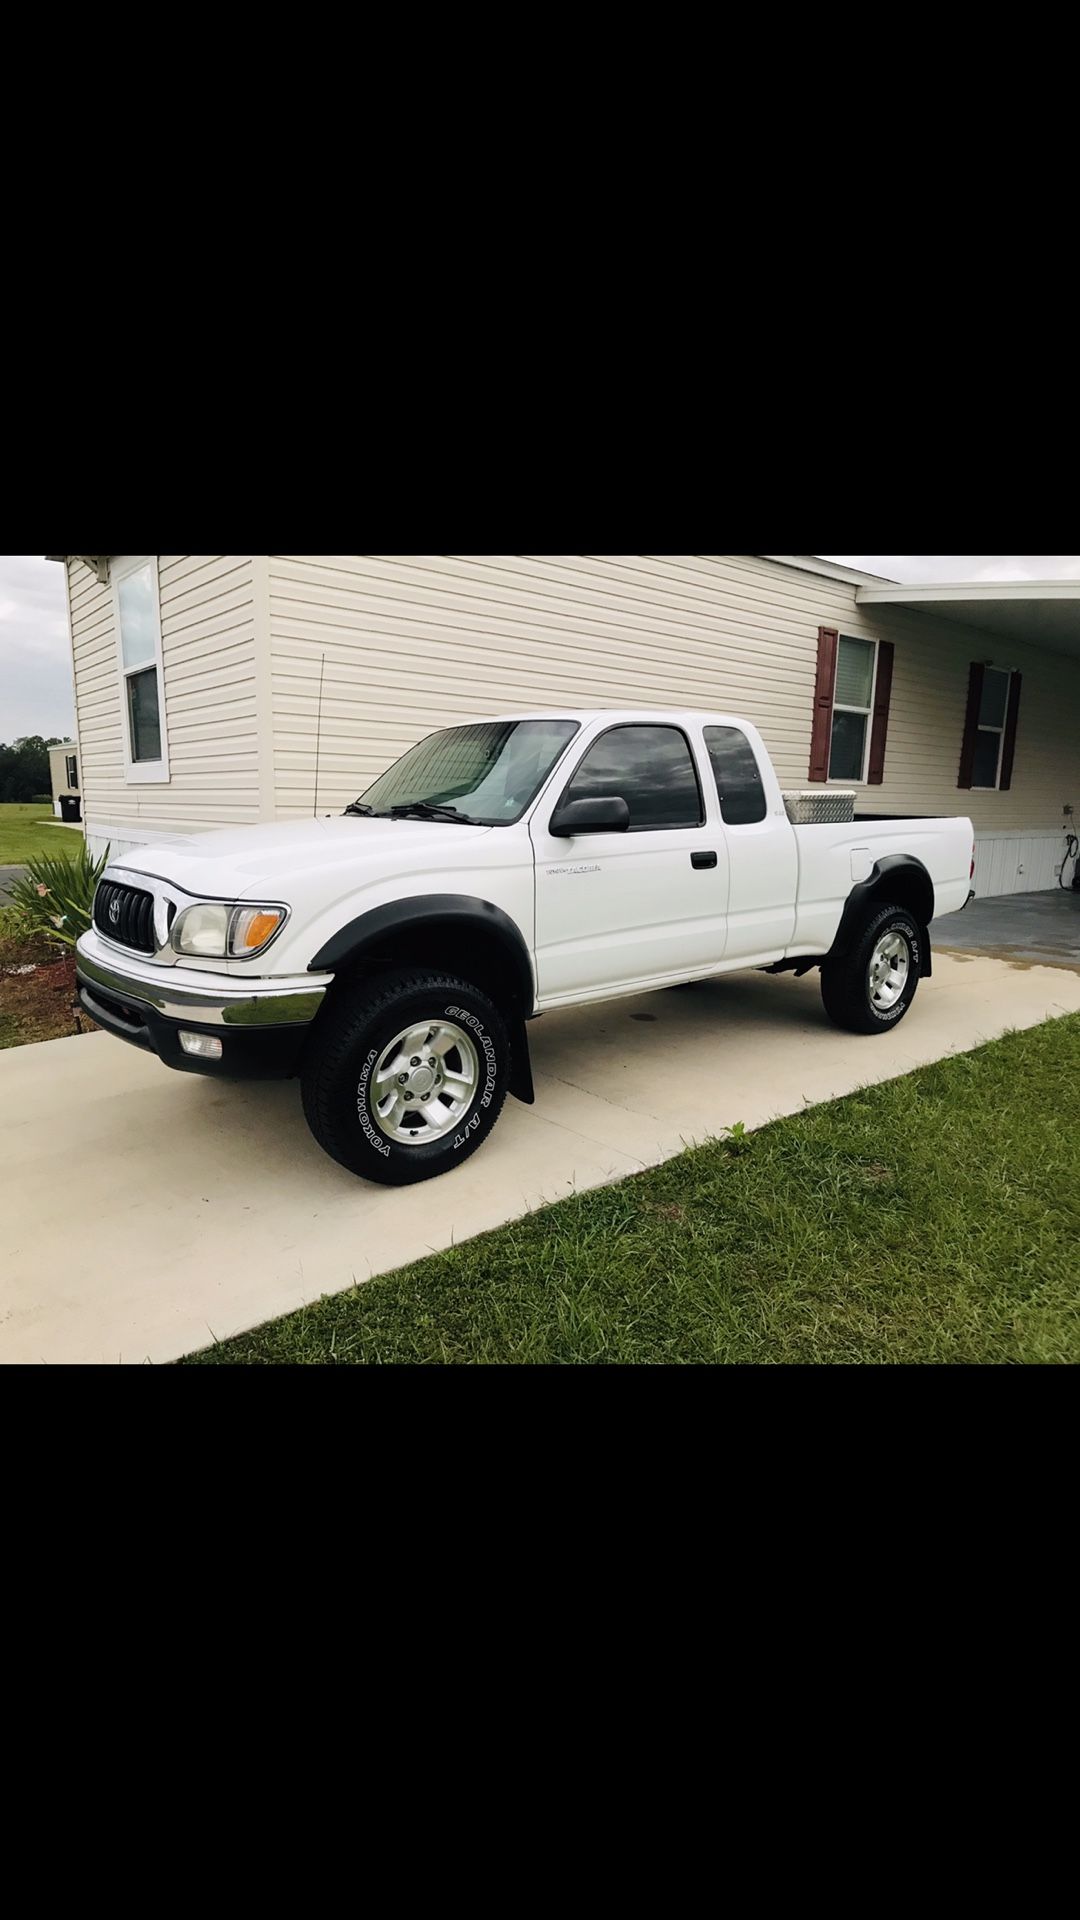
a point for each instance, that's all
(415, 643)
(211, 709)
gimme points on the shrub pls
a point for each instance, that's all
(21, 942)
(57, 896)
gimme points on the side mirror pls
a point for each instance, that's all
(600, 813)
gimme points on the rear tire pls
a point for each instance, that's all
(871, 987)
(405, 1076)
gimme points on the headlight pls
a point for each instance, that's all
(215, 930)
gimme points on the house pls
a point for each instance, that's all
(222, 689)
(64, 771)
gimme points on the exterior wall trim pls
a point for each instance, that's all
(264, 683)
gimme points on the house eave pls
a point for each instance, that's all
(98, 563)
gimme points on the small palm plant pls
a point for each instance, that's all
(57, 895)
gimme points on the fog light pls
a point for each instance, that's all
(202, 1045)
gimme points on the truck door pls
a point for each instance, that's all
(761, 849)
(621, 909)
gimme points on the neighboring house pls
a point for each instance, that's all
(198, 679)
(64, 769)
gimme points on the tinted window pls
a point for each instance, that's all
(650, 768)
(738, 782)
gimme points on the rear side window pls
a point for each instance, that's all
(738, 781)
(651, 768)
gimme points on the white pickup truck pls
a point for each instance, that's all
(392, 957)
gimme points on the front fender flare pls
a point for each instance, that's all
(362, 937)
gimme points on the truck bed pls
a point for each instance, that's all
(835, 857)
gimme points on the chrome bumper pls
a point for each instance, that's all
(207, 1000)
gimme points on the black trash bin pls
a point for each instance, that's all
(71, 807)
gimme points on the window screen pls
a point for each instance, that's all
(851, 709)
(138, 618)
(738, 781)
(651, 768)
(854, 673)
(993, 707)
(995, 698)
(144, 717)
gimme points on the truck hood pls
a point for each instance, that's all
(247, 861)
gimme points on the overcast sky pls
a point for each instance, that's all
(914, 568)
(35, 659)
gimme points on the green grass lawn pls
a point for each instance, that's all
(21, 836)
(934, 1218)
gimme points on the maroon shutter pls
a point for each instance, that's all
(971, 722)
(880, 728)
(828, 640)
(1008, 747)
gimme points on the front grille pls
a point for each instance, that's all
(126, 915)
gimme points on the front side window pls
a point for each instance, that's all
(488, 773)
(990, 728)
(852, 703)
(738, 777)
(139, 628)
(651, 768)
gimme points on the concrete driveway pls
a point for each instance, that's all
(1043, 928)
(8, 877)
(146, 1212)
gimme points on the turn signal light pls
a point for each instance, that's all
(253, 927)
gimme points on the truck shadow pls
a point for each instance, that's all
(616, 1050)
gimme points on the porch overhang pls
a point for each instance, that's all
(1041, 613)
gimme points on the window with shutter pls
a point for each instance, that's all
(851, 709)
(990, 725)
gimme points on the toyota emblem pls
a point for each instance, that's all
(114, 911)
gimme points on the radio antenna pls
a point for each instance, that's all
(318, 737)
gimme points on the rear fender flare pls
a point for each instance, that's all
(898, 877)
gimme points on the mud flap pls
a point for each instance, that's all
(521, 1080)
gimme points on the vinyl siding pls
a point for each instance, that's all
(419, 642)
(211, 709)
(413, 644)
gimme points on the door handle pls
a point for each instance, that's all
(701, 860)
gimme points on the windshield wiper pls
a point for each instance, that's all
(424, 810)
(358, 807)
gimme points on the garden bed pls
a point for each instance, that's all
(37, 989)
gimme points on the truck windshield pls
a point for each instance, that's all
(486, 775)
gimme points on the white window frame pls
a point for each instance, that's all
(840, 706)
(1000, 731)
(140, 773)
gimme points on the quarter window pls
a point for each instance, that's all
(138, 624)
(651, 768)
(853, 700)
(990, 729)
(738, 778)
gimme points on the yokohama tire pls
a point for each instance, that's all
(349, 1059)
(849, 984)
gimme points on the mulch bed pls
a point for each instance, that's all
(37, 998)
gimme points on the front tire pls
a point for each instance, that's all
(406, 1076)
(871, 987)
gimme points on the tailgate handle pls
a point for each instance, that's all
(701, 860)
